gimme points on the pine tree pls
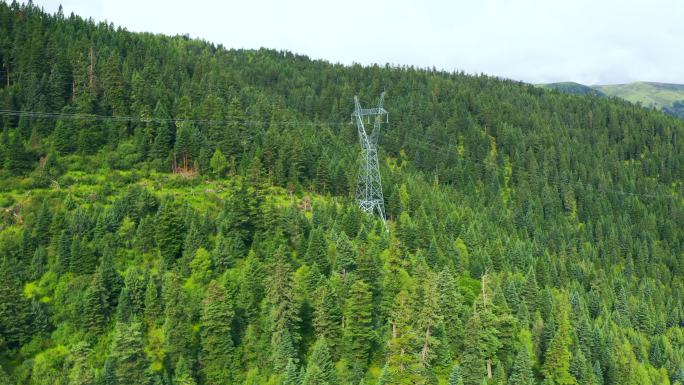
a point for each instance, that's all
(153, 303)
(228, 250)
(169, 232)
(164, 134)
(557, 363)
(81, 373)
(358, 317)
(404, 361)
(217, 349)
(328, 317)
(94, 315)
(183, 375)
(450, 301)
(219, 165)
(63, 137)
(124, 308)
(38, 263)
(456, 378)
(345, 260)
(40, 317)
(14, 310)
(320, 369)
(108, 376)
(41, 230)
(283, 314)
(64, 252)
(127, 354)
(429, 320)
(481, 340)
(111, 280)
(598, 373)
(177, 325)
(317, 250)
(4, 377)
(292, 374)
(19, 160)
(521, 373)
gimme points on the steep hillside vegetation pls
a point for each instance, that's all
(174, 212)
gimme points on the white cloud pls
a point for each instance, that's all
(588, 41)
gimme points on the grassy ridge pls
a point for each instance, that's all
(663, 96)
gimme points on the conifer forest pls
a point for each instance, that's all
(174, 212)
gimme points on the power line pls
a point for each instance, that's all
(54, 115)
(430, 145)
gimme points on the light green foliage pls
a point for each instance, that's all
(404, 364)
(557, 363)
(127, 353)
(219, 165)
(201, 266)
(236, 265)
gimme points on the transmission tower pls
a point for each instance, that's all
(368, 186)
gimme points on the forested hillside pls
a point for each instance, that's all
(174, 212)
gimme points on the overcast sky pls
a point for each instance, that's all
(588, 41)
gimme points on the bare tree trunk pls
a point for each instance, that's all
(426, 348)
(489, 368)
(91, 70)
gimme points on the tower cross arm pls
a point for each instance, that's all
(370, 111)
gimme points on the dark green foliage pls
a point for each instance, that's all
(169, 232)
(317, 250)
(328, 317)
(94, 305)
(358, 331)
(345, 258)
(111, 280)
(456, 378)
(567, 207)
(14, 309)
(153, 302)
(183, 374)
(521, 373)
(163, 133)
(216, 356)
(283, 313)
(18, 160)
(177, 325)
(228, 249)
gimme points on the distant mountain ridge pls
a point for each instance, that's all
(666, 97)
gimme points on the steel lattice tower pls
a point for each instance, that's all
(368, 186)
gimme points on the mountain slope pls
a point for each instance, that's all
(174, 212)
(663, 96)
(572, 88)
